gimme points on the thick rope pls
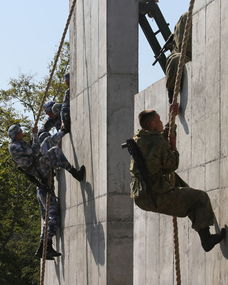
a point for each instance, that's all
(172, 124)
(45, 241)
(55, 61)
(42, 273)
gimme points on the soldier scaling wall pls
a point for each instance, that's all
(96, 236)
(202, 143)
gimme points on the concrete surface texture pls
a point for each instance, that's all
(202, 143)
(96, 236)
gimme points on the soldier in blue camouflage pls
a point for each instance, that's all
(47, 147)
(46, 143)
(38, 159)
(157, 194)
(53, 120)
(32, 161)
(59, 113)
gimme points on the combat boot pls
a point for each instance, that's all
(208, 240)
(78, 174)
(39, 252)
(51, 251)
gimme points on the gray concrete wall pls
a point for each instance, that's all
(96, 236)
(202, 143)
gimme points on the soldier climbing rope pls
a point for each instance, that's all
(147, 200)
(36, 122)
(172, 117)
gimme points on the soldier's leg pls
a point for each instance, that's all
(53, 212)
(171, 73)
(58, 159)
(53, 223)
(182, 202)
(196, 205)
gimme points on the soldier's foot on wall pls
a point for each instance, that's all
(208, 240)
(78, 174)
(39, 252)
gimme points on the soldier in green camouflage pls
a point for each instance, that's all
(173, 58)
(157, 194)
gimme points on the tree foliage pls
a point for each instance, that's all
(19, 212)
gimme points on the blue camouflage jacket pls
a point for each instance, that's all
(24, 153)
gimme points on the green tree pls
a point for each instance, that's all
(19, 211)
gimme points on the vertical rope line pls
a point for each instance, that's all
(45, 241)
(35, 125)
(55, 61)
(172, 118)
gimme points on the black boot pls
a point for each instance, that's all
(208, 241)
(39, 252)
(51, 251)
(78, 174)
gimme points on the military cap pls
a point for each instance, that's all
(48, 106)
(43, 136)
(14, 130)
(56, 108)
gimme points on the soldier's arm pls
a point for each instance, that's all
(48, 125)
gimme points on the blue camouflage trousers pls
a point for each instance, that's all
(53, 222)
(53, 159)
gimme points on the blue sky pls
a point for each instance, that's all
(30, 33)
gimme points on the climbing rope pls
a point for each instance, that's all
(172, 124)
(35, 125)
(55, 61)
(44, 251)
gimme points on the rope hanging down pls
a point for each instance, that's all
(172, 124)
(55, 61)
(44, 251)
(35, 125)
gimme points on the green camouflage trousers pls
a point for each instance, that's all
(182, 202)
(171, 69)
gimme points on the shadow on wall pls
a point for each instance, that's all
(184, 102)
(94, 229)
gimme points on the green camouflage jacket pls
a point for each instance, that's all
(159, 158)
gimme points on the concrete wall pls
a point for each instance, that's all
(202, 143)
(96, 236)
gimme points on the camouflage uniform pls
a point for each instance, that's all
(49, 141)
(65, 110)
(173, 58)
(30, 159)
(50, 122)
(46, 143)
(175, 201)
(53, 222)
